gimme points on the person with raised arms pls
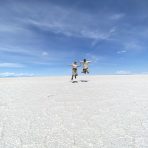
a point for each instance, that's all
(85, 65)
(74, 70)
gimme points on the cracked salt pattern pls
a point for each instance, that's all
(51, 112)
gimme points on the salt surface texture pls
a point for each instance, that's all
(52, 112)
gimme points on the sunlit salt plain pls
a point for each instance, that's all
(51, 112)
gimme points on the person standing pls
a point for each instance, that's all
(74, 70)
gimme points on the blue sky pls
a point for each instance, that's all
(42, 37)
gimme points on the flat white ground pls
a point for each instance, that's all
(50, 112)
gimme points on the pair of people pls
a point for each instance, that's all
(85, 65)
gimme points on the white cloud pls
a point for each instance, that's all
(92, 34)
(121, 51)
(106, 35)
(133, 46)
(13, 49)
(7, 74)
(28, 53)
(11, 65)
(19, 50)
(8, 28)
(44, 53)
(73, 22)
(123, 72)
(71, 30)
(117, 16)
(70, 22)
(13, 74)
(24, 74)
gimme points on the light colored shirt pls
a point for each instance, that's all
(74, 65)
(85, 64)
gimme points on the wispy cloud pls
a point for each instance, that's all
(74, 23)
(96, 35)
(13, 74)
(121, 51)
(106, 35)
(133, 46)
(12, 49)
(117, 16)
(44, 53)
(123, 72)
(43, 32)
(11, 65)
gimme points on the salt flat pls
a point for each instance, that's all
(51, 112)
